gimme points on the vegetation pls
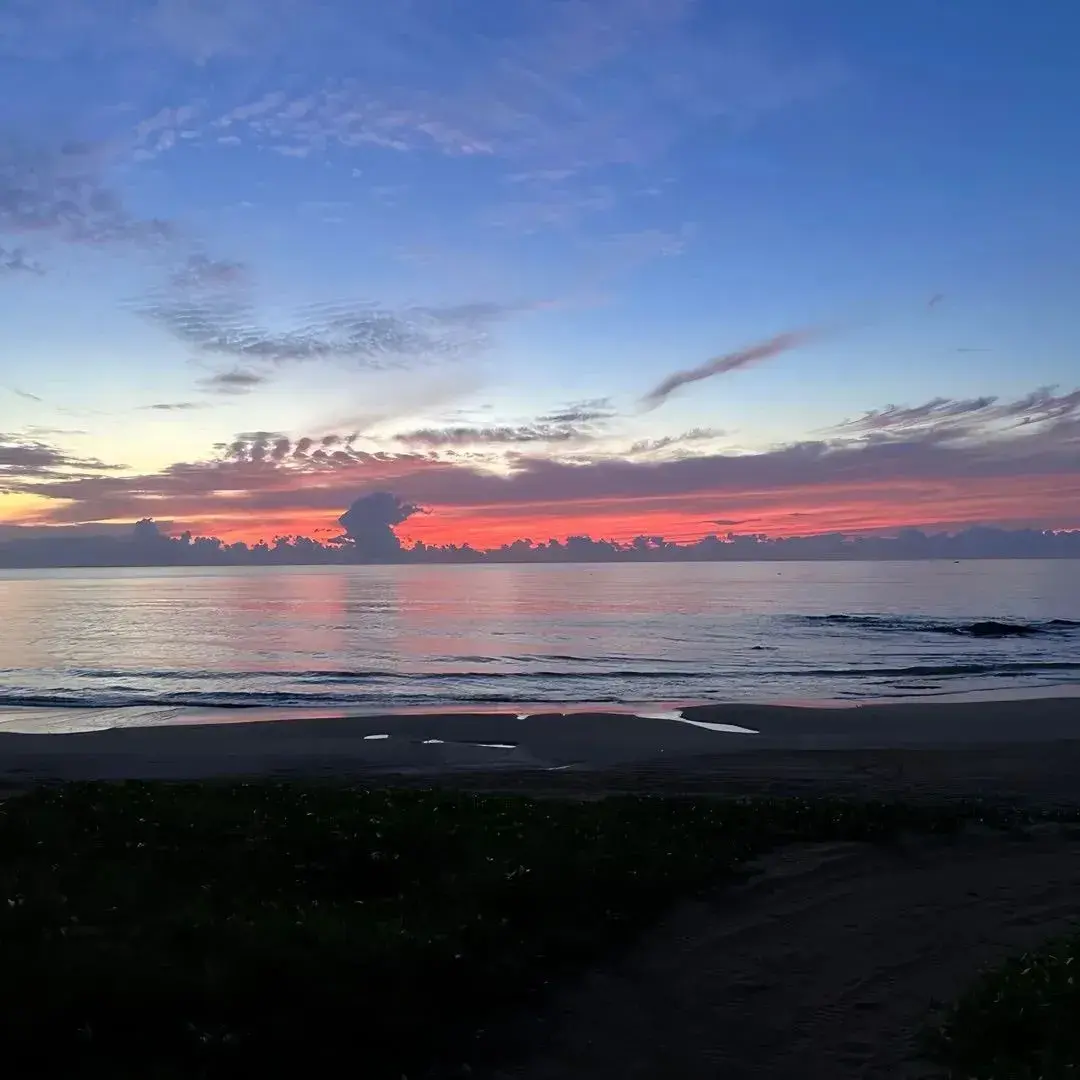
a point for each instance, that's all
(157, 930)
(1020, 1020)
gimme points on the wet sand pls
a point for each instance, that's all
(1017, 748)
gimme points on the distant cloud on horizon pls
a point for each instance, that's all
(1028, 464)
(260, 259)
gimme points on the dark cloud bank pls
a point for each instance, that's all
(368, 536)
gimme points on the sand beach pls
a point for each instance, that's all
(1019, 748)
(826, 961)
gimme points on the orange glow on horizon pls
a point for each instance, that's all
(947, 504)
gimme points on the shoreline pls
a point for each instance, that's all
(68, 719)
(1024, 746)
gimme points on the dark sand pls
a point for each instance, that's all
(1026, 749)
(824, 965)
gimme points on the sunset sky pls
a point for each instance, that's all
(541, 267)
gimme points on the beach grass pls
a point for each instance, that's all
(1019, 1020)
(204, 930)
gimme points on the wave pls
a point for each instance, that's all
(554, 687)
(979, 628)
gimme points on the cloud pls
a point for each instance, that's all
(752, 354)
(61, 193)
(626, 250)
(666, 442)
(194, 31)
(175, 406)
(24, 394)
(200, 31)
(559, 206)
(504, 435)
(579, 423)
(936, 411)
(559, 89)
(17, 261)
(25, 459)
(582, 412)
(266, 472)
(370, 521)
(236, 381)
(364, 333)
(200, 272)
(964, 417)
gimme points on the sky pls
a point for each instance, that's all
(543, 268)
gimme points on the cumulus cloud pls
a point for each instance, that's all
(370, 521)
(720, 365)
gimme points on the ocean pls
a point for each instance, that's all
(161, 644)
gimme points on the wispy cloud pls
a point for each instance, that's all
(200, 32)
(17, 261)
(496, 435)
(683, 441)
(24, 394)
(721, 365)
(572, 86)
(236, 381)
(266, 470)
(175, 406)
(201, 272)
(24, 458)
(934, 412)
(590, 410)
(961, 417)
(364, 333)
(61, 193)
(560, 206)
(189, 30)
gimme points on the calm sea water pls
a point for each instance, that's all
(372, 637)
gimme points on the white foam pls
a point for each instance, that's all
(732, 729)
(433, 742)
(677, 715)
(368, 737)
(497, 745)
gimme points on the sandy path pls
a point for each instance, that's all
(823, 965)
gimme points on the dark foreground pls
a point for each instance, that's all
(259, 929)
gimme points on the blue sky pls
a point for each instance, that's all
(506, 208)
